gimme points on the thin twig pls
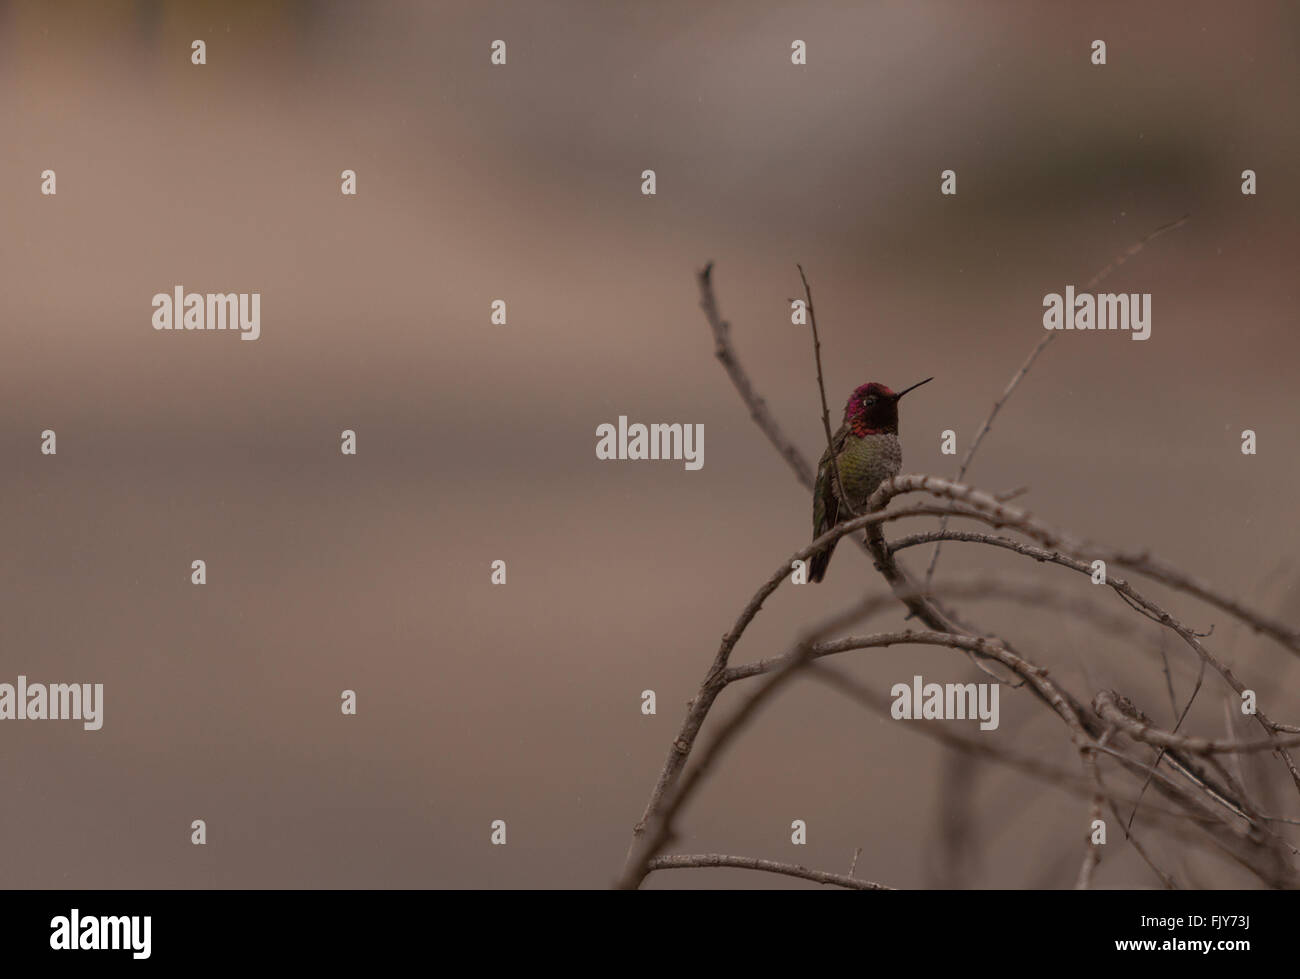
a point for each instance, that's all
(821, 389)
(1169, 677)
(676, 860)
(1196, 688)
(1039, 347)
(1166, 879)
(758, 409)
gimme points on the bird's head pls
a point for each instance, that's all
(873, 408)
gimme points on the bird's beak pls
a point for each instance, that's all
(912, 388)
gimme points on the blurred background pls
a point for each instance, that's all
(476, 442)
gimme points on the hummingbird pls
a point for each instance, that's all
(867, 452)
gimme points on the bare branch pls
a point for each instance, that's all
(983, 507)
(699, 706)
(758, 410)
(981, 747)
(1110, 706)
(965, 745)
(1092, 851)
(998, 514)
(849, 882)
(1256, 853)
(657, 828)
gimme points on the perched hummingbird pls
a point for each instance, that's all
(867, 453)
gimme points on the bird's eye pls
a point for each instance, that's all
(870, 401)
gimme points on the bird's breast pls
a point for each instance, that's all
(865, 463)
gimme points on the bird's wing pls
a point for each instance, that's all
(826, 505)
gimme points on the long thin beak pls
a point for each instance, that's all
(913, 387)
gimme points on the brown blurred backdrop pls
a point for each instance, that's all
(476, 442)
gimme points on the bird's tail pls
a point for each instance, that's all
(817, 566)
